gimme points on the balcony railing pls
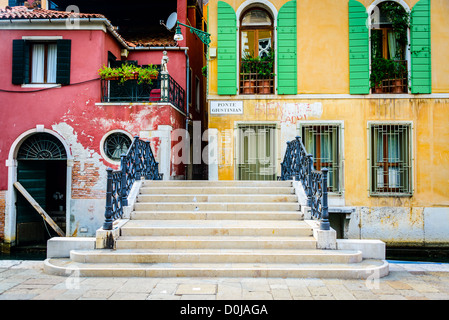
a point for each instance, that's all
(257, 78)
(394, 83)
(163, 89)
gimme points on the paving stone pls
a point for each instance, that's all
(340, 292)
(128, 296)
(400, 285)
(196, 289)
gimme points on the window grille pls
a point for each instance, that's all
(115, 145)
(323, 142)
(42, 146)
(390, 159)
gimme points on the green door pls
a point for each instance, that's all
(42, 171)
(256, 152)
(32, 175)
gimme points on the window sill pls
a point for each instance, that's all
(41, 85)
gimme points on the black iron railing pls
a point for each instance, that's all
(137, 163)
(298, 165)
(162, 89)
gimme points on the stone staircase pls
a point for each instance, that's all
(217, 229)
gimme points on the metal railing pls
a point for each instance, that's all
(257, 78)
(138, 162)
(162, 89)
(298, 165)
(396, 82)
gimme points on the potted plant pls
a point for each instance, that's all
(108, 73)
(248, 69)
(128, 72)
(379, 71)
(147, 74)
(399, 73)
(265, 73)
(204, 71)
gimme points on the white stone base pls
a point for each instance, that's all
(371, 249)
(60, 247)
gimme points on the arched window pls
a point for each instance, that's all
(256, 52)
(42, 146)
(389, 45)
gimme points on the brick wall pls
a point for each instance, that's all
(85, 181)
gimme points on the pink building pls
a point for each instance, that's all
(63, 126)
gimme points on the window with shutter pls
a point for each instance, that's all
(226, 49)
(41, 62)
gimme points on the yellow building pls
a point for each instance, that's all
(325, 71)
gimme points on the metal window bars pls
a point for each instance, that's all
(138, 162)
(323, 141)
(298, 165)
(390, 159)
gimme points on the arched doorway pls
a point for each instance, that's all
(42, 171)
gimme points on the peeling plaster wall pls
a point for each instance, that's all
(75, 114)
(398, 226)
(420, 219)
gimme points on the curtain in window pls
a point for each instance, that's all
(51, 63)
(38, 60)
(392, 44)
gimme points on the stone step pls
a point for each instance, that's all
(216, 206)
(216, 190)
(220, 183)
(217, 215)
(363, 270)
(216, 256)
(215, 227)
(215, 242)
(234, 198)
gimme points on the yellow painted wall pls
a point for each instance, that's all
(430, 142)
(323, 56)
(323, 68)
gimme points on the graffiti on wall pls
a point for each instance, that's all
(288, 112)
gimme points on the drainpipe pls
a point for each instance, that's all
(187, 110)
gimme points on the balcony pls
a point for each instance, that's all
(257, 77)
(164, 89)
(389, 76)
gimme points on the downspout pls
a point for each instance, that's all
(187, 111)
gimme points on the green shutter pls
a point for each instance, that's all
(286, 52)
(20, 62)
(226, 50)
(64, 48)
(421, 63)
(358, 49)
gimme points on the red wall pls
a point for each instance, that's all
(77, 104)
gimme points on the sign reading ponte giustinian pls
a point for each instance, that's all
(226, 107)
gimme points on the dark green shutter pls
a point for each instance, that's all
(64, 48)
(226, 49)
(421, 68)
(358, 49)
(20, 62)
(287, 47)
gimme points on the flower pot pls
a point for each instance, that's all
(264, 86)
(249, 87)
(378, 88)
(397, 86)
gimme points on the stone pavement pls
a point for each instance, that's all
(25, 280)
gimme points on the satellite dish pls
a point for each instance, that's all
(171, 21)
